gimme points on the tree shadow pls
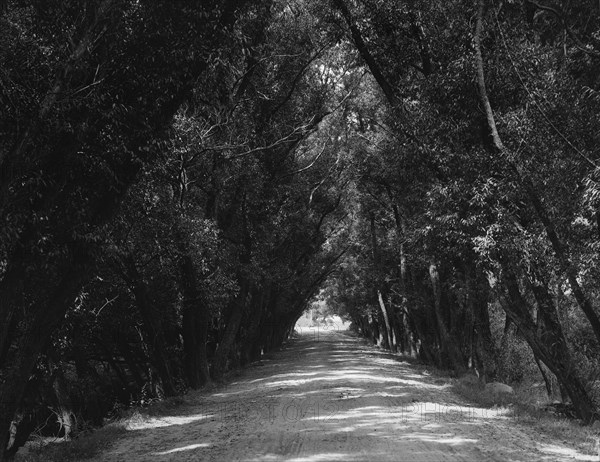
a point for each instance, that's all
(333, 399)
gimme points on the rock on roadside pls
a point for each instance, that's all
(497, 388)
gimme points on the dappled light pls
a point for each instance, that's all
(443, 439)
(569, 453)
(329, 456)
(365, 408)
(142, 423)
(185, 448)
(299, 230)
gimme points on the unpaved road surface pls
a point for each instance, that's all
(331, 397)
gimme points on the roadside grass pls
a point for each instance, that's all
(85, 446)
(155, 408)
(89, 444)
(528, 405)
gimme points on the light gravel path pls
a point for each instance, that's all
(329, 396)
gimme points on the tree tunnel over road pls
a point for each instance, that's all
(179, 181)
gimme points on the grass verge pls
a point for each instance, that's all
(89, 444)
(85, 446)
(529, 406)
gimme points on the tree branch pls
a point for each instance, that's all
(366, 55)
(562, 18)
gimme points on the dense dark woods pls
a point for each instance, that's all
(180, 179)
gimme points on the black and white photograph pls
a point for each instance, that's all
(299, 230)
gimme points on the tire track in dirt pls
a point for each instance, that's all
(334, 398)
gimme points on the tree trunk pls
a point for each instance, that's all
(484, 345)
(547, 343)
(195, 324)
(547, 380)
(252, 346)
(373, 328)
(447, 343)
(401, 331)
(232, 328)
(132, 364)
(552, 349)
(386, 319)
(366, 55)
(196, 320)
(64, 408)
(155, 337)
(30, 341)
(377, 273)
(404, 308)
(109, 358)
(425, 350)
(559, 247)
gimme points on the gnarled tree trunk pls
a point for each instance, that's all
(548, 343)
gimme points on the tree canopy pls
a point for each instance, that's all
(179, 180)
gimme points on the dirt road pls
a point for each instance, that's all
(331, 397)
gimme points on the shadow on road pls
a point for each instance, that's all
(334, 398)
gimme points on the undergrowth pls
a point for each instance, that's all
(89, 444)
(530, 406)
(84, 446)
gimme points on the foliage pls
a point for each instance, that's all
(178, 182)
